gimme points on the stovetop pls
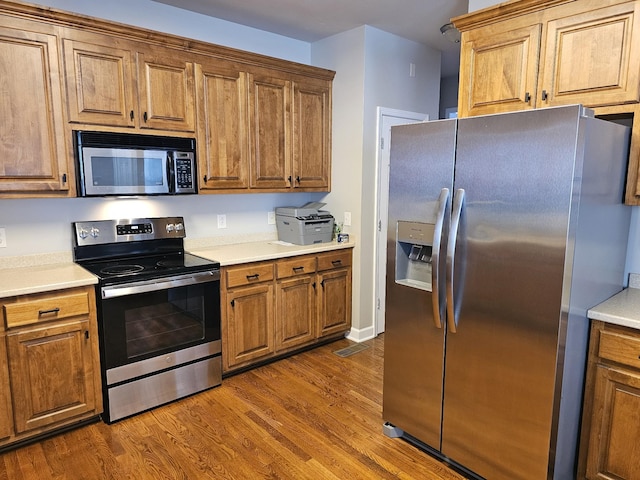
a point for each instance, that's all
(147, 267)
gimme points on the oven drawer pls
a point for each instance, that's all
(46, 307)
(249, 274)
(296, 266)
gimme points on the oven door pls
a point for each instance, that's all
(150, 319)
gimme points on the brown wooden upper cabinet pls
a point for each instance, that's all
(114, 82)
(33, 158)
(517, 56)
(290, 132)
(262, 130)
(223, 142)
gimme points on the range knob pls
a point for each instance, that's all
(83, 233)
(170, 227)
(179, 227)
(95, 233)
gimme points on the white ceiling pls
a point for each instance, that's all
(312, 20)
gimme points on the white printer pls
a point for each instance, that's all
(304, 225)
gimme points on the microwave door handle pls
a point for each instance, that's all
(171, 174)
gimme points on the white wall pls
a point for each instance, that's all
(44, 225)
(478, 4)
(372, 70)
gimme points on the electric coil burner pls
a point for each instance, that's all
(158, 312)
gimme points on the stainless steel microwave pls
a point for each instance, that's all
(131, 164)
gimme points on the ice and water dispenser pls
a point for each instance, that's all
(414, 241)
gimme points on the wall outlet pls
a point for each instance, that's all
(3, 238)
(347, 219)
(222, 221)
(271, 218)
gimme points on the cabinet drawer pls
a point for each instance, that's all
(295, 266)
(46, 307)
(620, 348)
(334, 260)
(249, 274)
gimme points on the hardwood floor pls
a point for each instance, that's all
(312, 416)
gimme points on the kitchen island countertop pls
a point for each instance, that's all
(621, 309)
(237, 253)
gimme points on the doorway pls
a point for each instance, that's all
(387, 118)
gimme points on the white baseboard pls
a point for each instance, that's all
(360, 335)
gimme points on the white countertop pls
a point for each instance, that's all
(43, 278)
(258, 251)
(621, 309)
(34, 274)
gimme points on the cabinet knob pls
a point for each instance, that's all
(527, 97)
(205, 179)
(145, 117)
(131, 115)
(233, 303)
(322, 283)
(289, 178)
(545, 95)
(298, 179)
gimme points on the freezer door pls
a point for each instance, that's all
(516, 172)
(420, 179)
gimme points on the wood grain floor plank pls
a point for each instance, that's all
(314, 416)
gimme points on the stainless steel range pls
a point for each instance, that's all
(158, 312)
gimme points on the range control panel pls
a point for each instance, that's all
(127, 230)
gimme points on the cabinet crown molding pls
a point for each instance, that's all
(62, 18)
(502, 11)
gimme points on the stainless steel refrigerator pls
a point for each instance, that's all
(503, 231)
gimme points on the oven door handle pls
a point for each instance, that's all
(132, 288)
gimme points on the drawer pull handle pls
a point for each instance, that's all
(298, 269)
(335, 263)
(255, 276)
(46, 312)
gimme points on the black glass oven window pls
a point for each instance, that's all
(166, 320)
(127, 171)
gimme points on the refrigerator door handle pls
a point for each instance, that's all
(438, 299)
(456, 213)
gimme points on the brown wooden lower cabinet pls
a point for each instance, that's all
(610, 443)
(276, 307)
(49, 363)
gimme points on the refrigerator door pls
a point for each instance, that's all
(517, 172)
(420, 179)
